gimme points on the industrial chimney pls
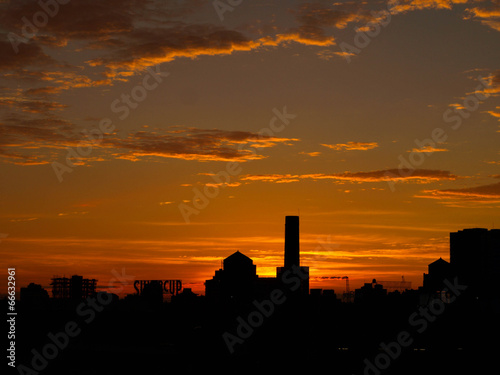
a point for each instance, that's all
(292, 248)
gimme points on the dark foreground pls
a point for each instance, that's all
(303, 335)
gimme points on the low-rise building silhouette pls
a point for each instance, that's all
(370, 293)
(235, 281)
(438, 271)
(34, 295)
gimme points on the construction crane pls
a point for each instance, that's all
(400, 286)
(347, 296)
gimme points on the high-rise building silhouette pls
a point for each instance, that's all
(475, 258)
(292, 254)
(292, 241)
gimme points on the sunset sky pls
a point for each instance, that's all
(157, 137)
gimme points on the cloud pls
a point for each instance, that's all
(31, 106)
(453, 197)
(42, 91)
(327, 54)
(275, 178)
(31, 54)
(77, 19)
(118, 27)
(311, 154)
(403, 6)
(312, 36)
(58, 77)
(128, 36)
(495, 114)
(194, 144)
(22, 159)
(316, 23)
(492, 87)
(488, 15)
(19, 131)
(337, 16)
(146, 47)
(349, 146)
(419, 176)
(29, 140)
(428, 149)
(49, 136)
(133, 35)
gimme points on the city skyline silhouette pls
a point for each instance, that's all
(242, 311)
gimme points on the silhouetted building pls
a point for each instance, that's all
(475, 258)
(75, 288)
(235, 281)
(370, 293)
(34, 295)
(238, 280)
(292, 241)
(187, 296)
(265, 285)
(323, 297)
(292, 254)
(438, 271)
(152, 293)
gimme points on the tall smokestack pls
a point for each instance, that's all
(292, 249)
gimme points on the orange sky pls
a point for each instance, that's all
(159, 137)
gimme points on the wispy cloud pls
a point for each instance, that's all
(488, 14)
(484, 194)
(53, 136)
(311, 154)
(418, 176)
(428, 149)
(349, 146)
(194, 144)
(495, 114)
(403, 6)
